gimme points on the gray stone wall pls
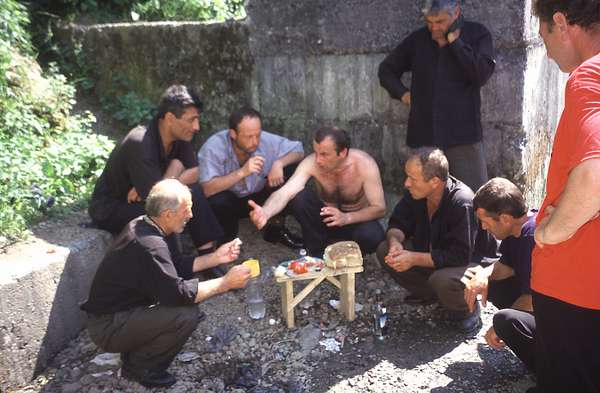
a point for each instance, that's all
(314, 62)
(214, 58)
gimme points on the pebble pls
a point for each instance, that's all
(418, 352)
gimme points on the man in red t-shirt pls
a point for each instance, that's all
(565, 271)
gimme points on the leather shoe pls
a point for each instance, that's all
(150, 378)
(471, 324)
(277, 234)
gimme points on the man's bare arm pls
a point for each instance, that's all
(176, 170)
(236, 277)
(189, 176)
(290, 158)
(578, 204)
(524, 303)
(422, 259)
(374, 193)
(395, 235)
(501, 271)
(280, 198)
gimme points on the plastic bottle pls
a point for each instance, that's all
(255, 299)
(379, 317)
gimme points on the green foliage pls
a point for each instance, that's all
(14, 22)
(202, 10)
(125, 105)
(50, 158)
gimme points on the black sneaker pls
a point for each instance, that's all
(150, 378)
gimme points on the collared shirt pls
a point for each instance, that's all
(139, 161)
(450, 235)
(141, 268)
(516, 253)
(445, 107)
(217, 159)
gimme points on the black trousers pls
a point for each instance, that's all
(148, 338)
(306, 208)
(515, 327)
(567, 346)
(229, 208)
(203, 226)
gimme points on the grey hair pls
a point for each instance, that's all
(166, 195)
(433, 162)
(434, 7)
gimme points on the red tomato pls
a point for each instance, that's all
(299, 268)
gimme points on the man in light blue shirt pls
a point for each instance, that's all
(244, 162)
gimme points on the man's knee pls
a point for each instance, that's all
(503, 323)
(447, 288)
(369, 236)
(301, 202)
(382, 251)
(222, 200)
(188, 318)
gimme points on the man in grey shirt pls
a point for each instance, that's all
(244, 162)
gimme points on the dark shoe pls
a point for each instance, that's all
(417, 300)
(471, 324)
(277, 234)
(150, 379)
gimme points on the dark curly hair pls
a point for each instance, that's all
(584, 13)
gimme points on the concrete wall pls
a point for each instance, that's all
(313, 62)
(41, 284)
(214, 58)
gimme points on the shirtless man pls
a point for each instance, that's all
(349, 198)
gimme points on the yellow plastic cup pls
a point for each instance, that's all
(254, 267)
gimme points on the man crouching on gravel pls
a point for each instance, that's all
(142, 302)
(502, 211)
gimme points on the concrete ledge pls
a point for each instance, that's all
(42, 282)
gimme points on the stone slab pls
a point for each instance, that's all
(42, 281)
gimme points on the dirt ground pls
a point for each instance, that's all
(229, 352)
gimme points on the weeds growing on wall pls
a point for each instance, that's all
(50, 158)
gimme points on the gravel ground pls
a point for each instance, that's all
(229, 352)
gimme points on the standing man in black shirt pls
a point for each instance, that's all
(147, 154)
(430, 237)
(450, 60)
(142, 302)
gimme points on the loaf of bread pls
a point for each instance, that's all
(343, 254)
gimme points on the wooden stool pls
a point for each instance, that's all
(345, 284)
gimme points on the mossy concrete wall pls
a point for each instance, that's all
(314, 62)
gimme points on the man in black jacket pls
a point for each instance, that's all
(450, 60)
(431, 237)
(142, 301)
(161, 149)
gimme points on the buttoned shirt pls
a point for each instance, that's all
(139, 161)
(450, 234)
(217, 158)
(142, 267)
(445, 108)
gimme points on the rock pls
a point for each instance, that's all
(87, 379)
(107, 359)
(187, 357)
(309, 338)
(73, 387)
